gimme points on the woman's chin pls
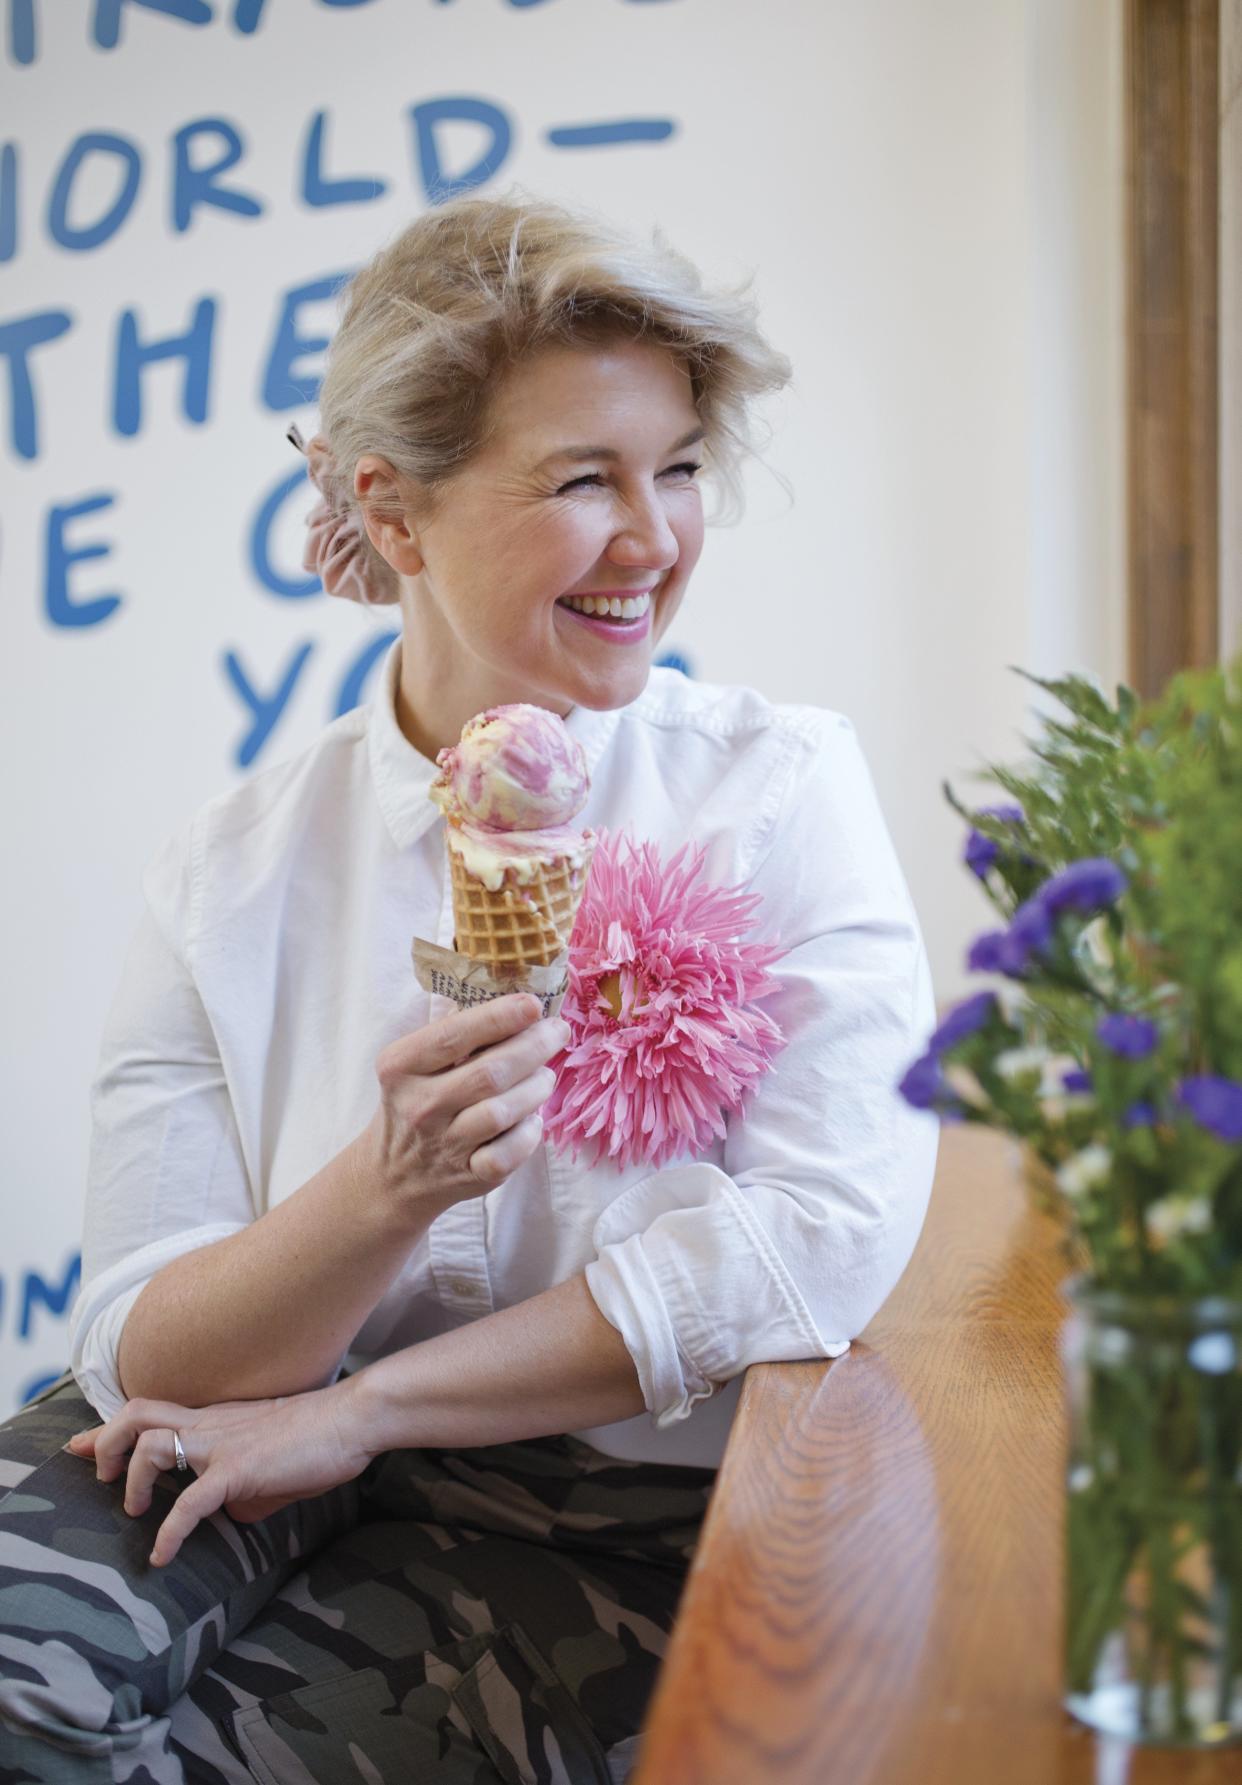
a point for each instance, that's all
(602, 692)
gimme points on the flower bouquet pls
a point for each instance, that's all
(1109, 1044)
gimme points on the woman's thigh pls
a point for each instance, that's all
(498, 1614)
(95, 1643)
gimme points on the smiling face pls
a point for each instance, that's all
(587, 487)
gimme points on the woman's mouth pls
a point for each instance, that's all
(616, 607)
(622, 619)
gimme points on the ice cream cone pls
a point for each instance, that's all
(522, 923)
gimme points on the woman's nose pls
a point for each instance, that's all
(646, 538)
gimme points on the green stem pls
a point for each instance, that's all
(1226, 1587)
(1165, 1613)
(1100, 1565)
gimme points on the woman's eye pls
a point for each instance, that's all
(594, 477)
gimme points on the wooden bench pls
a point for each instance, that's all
(876, 1596)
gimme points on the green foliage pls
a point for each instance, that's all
(1155, 788)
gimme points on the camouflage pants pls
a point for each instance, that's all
(460, 1617)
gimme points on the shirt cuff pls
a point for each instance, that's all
(627, 1295)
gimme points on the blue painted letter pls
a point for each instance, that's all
(93, 142)
(194, 347)
(108, 16)
(22, 44)
(291, 587)
(197, 185)
(54, 1296)
(265, 712)
(436, 184)
(282, 388)
(16, 340)
(62, 611)
(8, 201)
(318, 191)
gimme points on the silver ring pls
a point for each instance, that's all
(182, 1464)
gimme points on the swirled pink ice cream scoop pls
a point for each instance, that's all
(516, 768)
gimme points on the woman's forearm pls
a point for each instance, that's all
(271, 1310)
(550, 1364)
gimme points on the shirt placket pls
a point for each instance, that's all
(457, 1239)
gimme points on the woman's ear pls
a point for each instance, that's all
(385, 515)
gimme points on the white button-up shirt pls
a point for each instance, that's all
(272, 964)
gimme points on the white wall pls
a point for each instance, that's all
(930, 193)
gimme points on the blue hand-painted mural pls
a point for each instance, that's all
(26, 1294)
(241, 16)
(78, 194)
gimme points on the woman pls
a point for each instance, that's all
(410, 1420)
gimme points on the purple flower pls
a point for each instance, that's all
(923, 1082)
(1084, 886)
(986, 954)
(1076, 1079)
(1030, 931)
(1133, 1037)
(1139, 1115)
(1215, 1103)
(962, 1020)
(980, 853)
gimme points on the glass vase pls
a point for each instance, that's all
(1153, 1531)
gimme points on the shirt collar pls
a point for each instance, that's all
(402, 774)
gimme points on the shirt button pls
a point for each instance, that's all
(459, 1286)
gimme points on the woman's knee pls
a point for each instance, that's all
(94, 1640)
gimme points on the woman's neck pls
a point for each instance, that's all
(434, 700)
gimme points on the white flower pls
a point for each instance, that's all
(1083, 1170)
(1055, 1101)
(1173, 1216)
(1093, 952)
(1014, 1061)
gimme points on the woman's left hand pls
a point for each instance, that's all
(250, 1457)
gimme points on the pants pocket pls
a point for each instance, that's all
(432, 1717)
(526, 1719)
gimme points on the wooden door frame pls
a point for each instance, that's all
(1172, 152)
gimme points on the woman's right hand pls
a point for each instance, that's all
(459, 1102)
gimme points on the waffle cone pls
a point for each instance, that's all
(521, 924)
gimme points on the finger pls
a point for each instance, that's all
(154, 1454)
(496, 1071)
(195, 1503)
(115, 1440)
(481, 1122)
(493, 1163)
(454, 1038)
(83, 1443)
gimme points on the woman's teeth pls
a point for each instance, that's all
(631, 608)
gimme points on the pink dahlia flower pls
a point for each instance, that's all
(661, 1002)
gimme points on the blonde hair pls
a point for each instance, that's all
(431, 322)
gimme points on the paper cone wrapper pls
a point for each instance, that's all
(467, 982)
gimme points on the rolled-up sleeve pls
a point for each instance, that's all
(166, 1173)
(788, 1250)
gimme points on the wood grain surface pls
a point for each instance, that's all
(876, 1597)
(1172, 154)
